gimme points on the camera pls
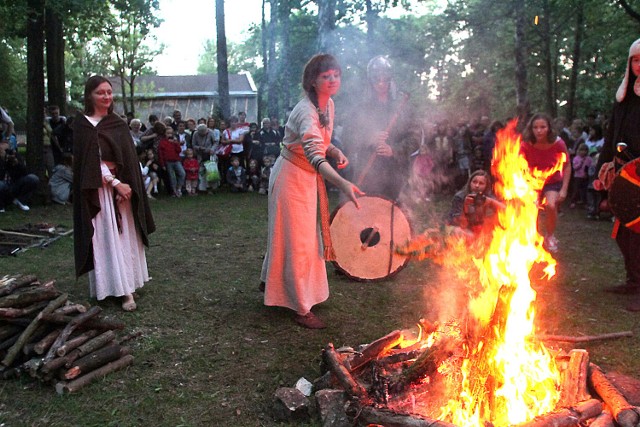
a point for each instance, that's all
(479, 199)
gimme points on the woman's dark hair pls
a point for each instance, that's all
(159, 128)
(479, 172)
(528, 135)
(317, 64)
(597, 131)
(89, 87)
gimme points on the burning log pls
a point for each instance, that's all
(28, 332)
(71, 326)
(368, 415)
(586, 338)
(84, 380)
(337, 368)
(76, 342)
(605, 419)
(624, 413)
(373, 350)
(574, 379)
(95, 360)
(568, 417)
(12, 284)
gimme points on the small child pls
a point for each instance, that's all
(237, 176)
(253, 174)
(581, 164)
(192, 168)
(61, 180)
(267, 161)
(154, 170)
(148, 182)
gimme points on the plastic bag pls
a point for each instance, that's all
(212, 172)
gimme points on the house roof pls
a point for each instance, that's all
(188, 86)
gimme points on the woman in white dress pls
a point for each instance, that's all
(112, 219)
(294, 273)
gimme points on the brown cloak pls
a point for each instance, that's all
(113, 132)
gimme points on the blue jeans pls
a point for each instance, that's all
(176, 175)
(22, 189)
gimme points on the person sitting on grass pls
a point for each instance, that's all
(16, 185)
(237, 176)
(62, 179)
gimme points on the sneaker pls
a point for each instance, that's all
(1, 210)
(551, 243)
(19, 204)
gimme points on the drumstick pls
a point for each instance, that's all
(392, 124)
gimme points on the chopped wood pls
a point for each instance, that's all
(373, 350)
(605, 419)
(28, 332)
(58, 362)
(574, 379)
(568, 417)
(129, 337)
(337, 368)
(71, 309)
(76, 342)
(44, 344)
(95, 360)
(96, 343)
(586, 338)
(15, 283)
(624, 413)
(100, 323)
(368, 415)
(20, 312)
(69, 328)
(37, 294)
(78, 383)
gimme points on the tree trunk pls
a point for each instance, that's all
(575, 57)
(272, 68)
(55, 60)
(223, 68)
(371, 17)
(326, 24)
(263, 51)
(132, 89)
(522, 94)
(35, 94)
(550, 104)
(285, 94)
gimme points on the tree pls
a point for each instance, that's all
(35, 97)
(223, 71)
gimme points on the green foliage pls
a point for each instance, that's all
(13, 75)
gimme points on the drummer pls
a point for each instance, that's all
(625, 127)
(381, 135)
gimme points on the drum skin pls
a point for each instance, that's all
(624, 195)
(364, 239)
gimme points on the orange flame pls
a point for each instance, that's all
(508, 378)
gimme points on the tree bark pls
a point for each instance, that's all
(623, 412)
(575, 59)
(522, 85)
(55, 60)
(223, 68)
(272, 68)
(550, 103)
(326, 24)
(95, 360)
(337, 368)
(568, 417)
(35, 94)
(84, 380)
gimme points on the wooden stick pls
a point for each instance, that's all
(368, 415)
(624, 413)
(96, 343)
(41, 346)
(586, 338)
(76, 342)
(15, 283)
(15, 233)
(26, 334)
(605, 419)
(40, 293)
(71, 309)
(20, 312)
(78, 383)
(71, 326)
(568, 417)
(337, 368)
(373, 350)
(95, 360)
(574, 379)
(97, 323)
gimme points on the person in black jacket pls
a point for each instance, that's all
(16, 185)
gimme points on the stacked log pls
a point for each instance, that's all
(46, 336)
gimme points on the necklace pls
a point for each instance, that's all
(323, 117)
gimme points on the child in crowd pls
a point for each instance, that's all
(236, 176)
(581, 164)
(191, 168)
(148, 182)
(253, 175)
(169, 158)
(61, 180)
(474, 207)
(154, 170)
(267, 161)
(593, 196)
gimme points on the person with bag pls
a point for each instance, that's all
(294, 273)
(204, 145)
(624, 126)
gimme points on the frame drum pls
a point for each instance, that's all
(624, 195)
(364, 239)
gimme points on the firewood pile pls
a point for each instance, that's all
(48, 337)
(30, 236)
(381, 384)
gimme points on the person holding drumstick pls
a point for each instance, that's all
(625, 127)
(294, 273)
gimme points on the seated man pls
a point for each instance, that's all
(15, 183)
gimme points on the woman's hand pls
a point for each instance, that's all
(562, 195)
(124, 192)
(340, 158)
(384, 149)
(351, 191)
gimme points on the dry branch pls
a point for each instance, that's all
(16, 283)
(71, 309)
(95, 360)
(96, 343)
(44, 344)
(100, 324)
(337, 368)
(605, 419)
(76, 342)
(373, 350)
(84, 380)
(624, 413)
(37, 294)
(71, 326)
(10, 312)
(586, 338)
(370, 416)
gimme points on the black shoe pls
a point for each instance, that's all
(261, 286)
(624, 289)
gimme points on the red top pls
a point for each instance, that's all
(168, 151)
(191, 167)
(545, 158)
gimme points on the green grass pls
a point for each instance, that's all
(211, 354)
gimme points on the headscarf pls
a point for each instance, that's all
(622, 90)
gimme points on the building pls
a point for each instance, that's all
(194, 96)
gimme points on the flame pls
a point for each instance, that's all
(508, 377)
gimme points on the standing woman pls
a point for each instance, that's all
(294, 273)
(111, 214)
(625, 127)
(542, 148)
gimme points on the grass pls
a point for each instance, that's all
(211, 354)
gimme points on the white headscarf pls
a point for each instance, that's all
(622, 90)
